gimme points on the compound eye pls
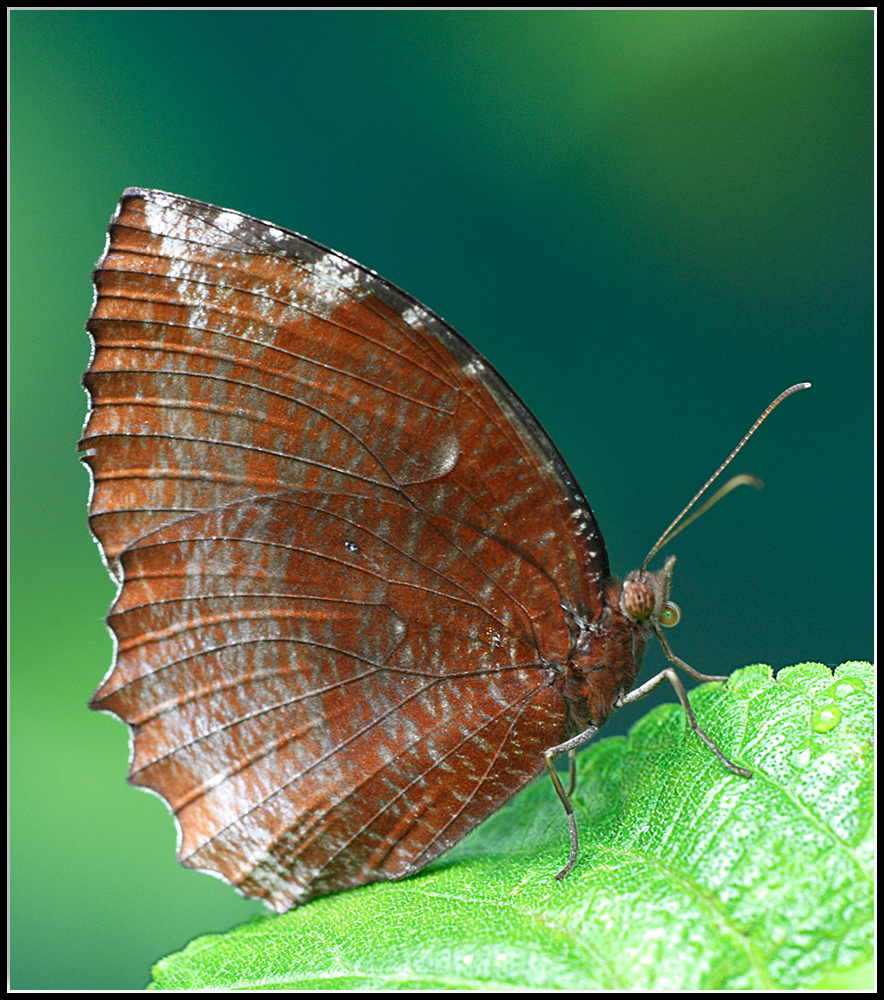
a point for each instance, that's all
(637, 600)
(670, 615)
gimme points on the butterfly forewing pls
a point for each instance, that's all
(350, 559)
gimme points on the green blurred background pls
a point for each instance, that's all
(650, 222)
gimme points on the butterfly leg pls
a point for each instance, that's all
(686, 667)
(572, 772)
(670, 675)
(551, 753)
(636, 694)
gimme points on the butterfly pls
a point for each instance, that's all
(362, 599)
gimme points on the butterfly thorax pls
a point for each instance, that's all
(608, 651)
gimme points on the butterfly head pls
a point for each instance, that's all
(645, 595)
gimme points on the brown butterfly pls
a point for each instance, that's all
(363, 600)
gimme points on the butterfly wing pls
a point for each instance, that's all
(349, 557)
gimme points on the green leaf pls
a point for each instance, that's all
(688, 878)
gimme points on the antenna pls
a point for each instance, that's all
(741, 480)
